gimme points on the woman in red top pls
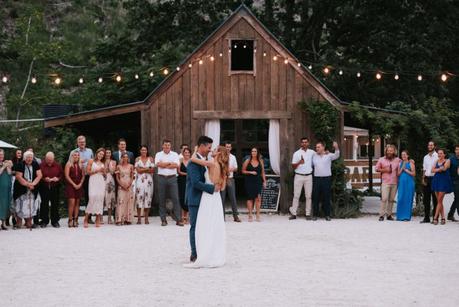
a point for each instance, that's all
(74, 187)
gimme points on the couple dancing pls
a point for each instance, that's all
(205, 180)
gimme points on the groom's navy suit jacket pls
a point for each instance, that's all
(195, 184)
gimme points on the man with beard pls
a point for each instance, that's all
(388, 167)
(427, 194)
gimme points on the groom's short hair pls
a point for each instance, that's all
(204, 140)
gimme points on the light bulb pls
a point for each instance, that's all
(299, 64)
(359, 74)
(178, 68)
(264, 53)
(166, 71)
(57, 81)
(152, 74)
(5, 79)
(190, 65)
(118, 78)
(444, 77)
(201, 62)
(34, 80)
(310, 67)
(81, 81)
(275, 58)
(419, 78)
(220, 54)
(286, 61)
(100, 80)
(340, 72)
(396, 77)
(326, 70)
(378, 76)
(212, 58)
(136, 76)
(245, 46)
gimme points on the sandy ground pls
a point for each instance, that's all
(357, 262)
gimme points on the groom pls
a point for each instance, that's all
(195, 186)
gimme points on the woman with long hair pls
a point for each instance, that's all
(96, 186)
(124, 177)
(5, 188)
(441, 184)
(110, 188)
(405, 190)
(74, 176)
(255, 179)
(181, 180)
(144, 167)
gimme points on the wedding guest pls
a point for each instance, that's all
(144, 167)
(388, 167)
(441, 184)
(181, 180)
(427, 194)
(49, 190)
(230, 188)
(74, 176)
(255, 179)
(302, 166)
(124, 177)
(121, 150)
(322, 180)
(182, 147)
(405, 191)
(36, 218)
(35, 158)
(17, 159)
(6, 167)
(86, 154)
(96, 186)
(110, 187)
(454, 172)
(167, 162)
(26, 200)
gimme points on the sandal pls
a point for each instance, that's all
(443, 221)
(435, 221)
(75, 222)
(139, 222)
(71, 223)
(250, 218)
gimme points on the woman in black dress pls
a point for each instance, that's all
(186, 153)
(254, 171)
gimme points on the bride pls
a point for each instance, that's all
(210, 223)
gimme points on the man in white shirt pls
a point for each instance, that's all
(429, 161)
(322, 180)
(302, 166)
(167, 162)
(230, 184)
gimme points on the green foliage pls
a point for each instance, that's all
(324, 121)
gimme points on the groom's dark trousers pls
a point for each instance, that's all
(195, 186)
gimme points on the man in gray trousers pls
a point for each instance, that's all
(230, 184)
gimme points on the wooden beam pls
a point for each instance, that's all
(91, 115)
(242, 115)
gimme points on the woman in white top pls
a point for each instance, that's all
(144, 167)
(96, 186)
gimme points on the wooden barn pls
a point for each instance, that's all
(241, 84)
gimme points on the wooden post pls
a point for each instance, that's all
(370, 162)
(284, 165)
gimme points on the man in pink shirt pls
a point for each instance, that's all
(388, 167)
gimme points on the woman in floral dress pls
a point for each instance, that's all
(110, 188)
(124, 177)
(144, 167)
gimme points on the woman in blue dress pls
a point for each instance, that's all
(441, 184)
(405, 192)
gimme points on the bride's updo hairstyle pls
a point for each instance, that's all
(223, 160)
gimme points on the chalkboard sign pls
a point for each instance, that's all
(271, 194)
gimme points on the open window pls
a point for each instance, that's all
(242, 59)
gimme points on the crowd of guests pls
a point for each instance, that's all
(440, 176)
(113, 181)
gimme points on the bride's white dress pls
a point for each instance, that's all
(210, 231)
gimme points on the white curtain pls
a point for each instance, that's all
(274, 145)
(212, 130)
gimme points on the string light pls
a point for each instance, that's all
(190, 65)
(255, 50)
(275, 58)
(118, 78)
(220, 54)
(378, 76)
(178, 68)
(81, 80)
(264, 53)
(340, 72)
(5, 79)
(245, 46)
(151, 74)
(57, 81)
(299, 64)
(419, 77)
(396, 77)
(33, 80)
(212, 58)
(359, 74)
(326, 70)
(444, 77)
(310, 67)
(286, 61)
(166, 71)
(201, 62)
(100, 80)
(136, 76)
